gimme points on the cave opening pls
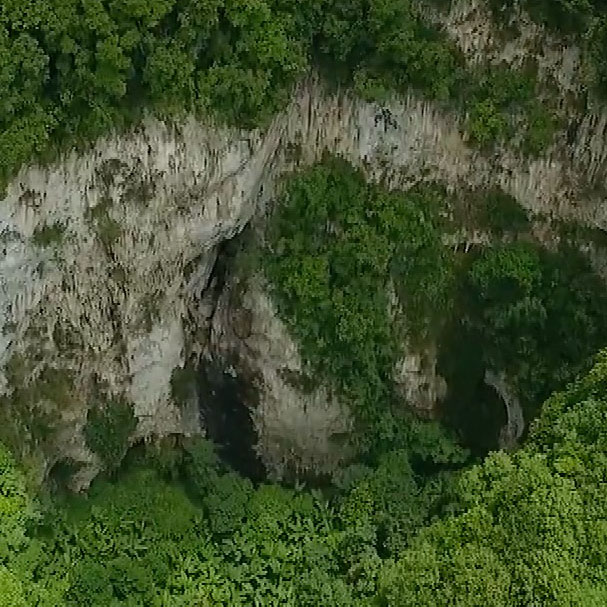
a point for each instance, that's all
(472, 408)
(225, 402)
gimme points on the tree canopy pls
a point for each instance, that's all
(72, 70)
(527, 528)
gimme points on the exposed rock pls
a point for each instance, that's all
(299, 428)
(141, 217)
(419, 383)
(515, 425)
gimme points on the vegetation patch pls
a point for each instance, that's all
(502, 103)
(492, 210)
(107, 430)
(183, 384)
(337, 247)
(334, 245)
(48, 235)
(70, 76)
(27, 411)
(534, 314)
(513, 530)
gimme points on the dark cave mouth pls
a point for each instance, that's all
(472, 408)
(225, 401)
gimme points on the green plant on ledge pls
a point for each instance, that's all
(107, 430)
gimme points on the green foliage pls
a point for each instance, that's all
(535, 315)
(528, 528)
(12, 590)
(500, 213)
(540, 128)
(16, 507)
(487, 123)
(71, 70)
(501, 101)
(141, 541)
(337, 247)
(107, 228)
(34, 394)
(48, 235)
(107, 430)
(334, 245)
(543, 315)
(387, 48)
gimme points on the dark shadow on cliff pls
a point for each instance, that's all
(225, 401)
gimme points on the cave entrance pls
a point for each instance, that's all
(225, 402)
(473, 408)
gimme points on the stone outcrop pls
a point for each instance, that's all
(301, 427)
(515, 421)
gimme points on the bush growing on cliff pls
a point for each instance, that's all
(71, 71)
(338, 247)
(543, 314)
(107, 430)
(527, 528)
(535, 315)
(502, 102)
(335, 244)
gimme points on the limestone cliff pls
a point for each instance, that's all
(106, 255)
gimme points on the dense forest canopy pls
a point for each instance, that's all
(426, 513)
(71, 70)
(336, 242)
(414, 519)
(178, 528)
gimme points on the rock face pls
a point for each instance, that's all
(101, 255)
(515, 422)
(105, 257)
(418, 382)
(300, 427)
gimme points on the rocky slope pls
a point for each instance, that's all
(106, 258)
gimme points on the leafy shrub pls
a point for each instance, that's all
(516, 529)
(388, 48)
(534, 314)
(487, 123)
(334, 244)
(526, 528)
(502, 101)
(108, 429)
(70, 73)
(48, 234)
(540, 129)
(500, 213)
(16, 507)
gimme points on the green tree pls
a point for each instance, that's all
(528, 528)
